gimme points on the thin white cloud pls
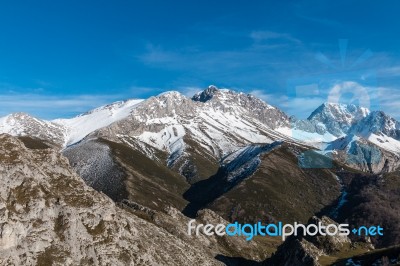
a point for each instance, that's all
(375, 98)
(157, 55)
(267, 97)
(389, 100)
(259, 55)
(389, 72)
(29, 100)
(142, 91)
(190, 91)
(51, 107)
(301, 106)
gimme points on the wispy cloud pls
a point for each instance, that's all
(188, 58)
(263, 57)
(190, 91)
(270, 98)
(157, 55)
(50, 107)
(262, 36)
(375, 98)
(393, 71)
(144, 91)
(301, 107)
(321, 21)
(389, 99)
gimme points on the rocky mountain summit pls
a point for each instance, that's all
(240, 103)
(338, 118)
(22, 124)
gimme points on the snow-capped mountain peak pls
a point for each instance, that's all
(205, 95)
(113, 107)
(377, 122)
(338, 118)
(22, 124)
(214, 94)
(345, 112)
(240, 103)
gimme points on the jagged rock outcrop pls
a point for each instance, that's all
(377, 122)
(306, 250)
(337, 119)
(296, 252)
(361, 154)
(243, 104)
(22, 124)
(173, 221)
(328, 244)
(49, 216)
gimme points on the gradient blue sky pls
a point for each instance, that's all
(60, 58)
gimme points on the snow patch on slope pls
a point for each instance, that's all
(308, 137)
(169, 139)
(385, 142)
(79, 127)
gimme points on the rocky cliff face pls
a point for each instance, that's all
(50, 216)
(359, 153)
(306, 251)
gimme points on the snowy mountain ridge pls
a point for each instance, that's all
(183, 128)
(220, 121)
(65, 132)
(80, 126)
(333, 118)
(22, 124)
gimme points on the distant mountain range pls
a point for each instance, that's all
(220, 121)
(218, 155)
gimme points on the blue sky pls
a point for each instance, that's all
(60, 58)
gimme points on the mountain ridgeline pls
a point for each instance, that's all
(223, 155)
